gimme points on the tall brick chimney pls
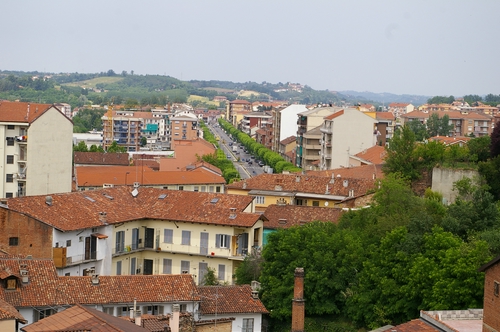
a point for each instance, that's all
(298, 305)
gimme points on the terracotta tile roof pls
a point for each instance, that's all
(186, 153)
(46, 288)
(375, 154)
(398, 105)
(450, 140)
(334, 115)
(21, 112)
(8, 312)
(96, 176)
(81, 210)
(413, 326)
(229, 300)
(155, 323)
(99, 158)
(385, 115)
(304, 184)
(288, 140)
(359, 172)
(204, 165)
(80, 318)
(286, 216)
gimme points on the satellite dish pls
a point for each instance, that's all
(326, 203)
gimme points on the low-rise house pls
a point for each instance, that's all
(303, 189)
(239, 302)
(10, 318)
(461, 141)
(285, 216)
(96, 177)
(286, 146)
(126, 230)
(33, 287)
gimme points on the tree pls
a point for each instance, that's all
(441, 100)
(401, 158)
(250, 269)
(210, 278)
(80, 147)
(472, 99)
(115, 148)
(419, 130)
(144, 141)
(495, 141)
(439, 126)
(479, 148)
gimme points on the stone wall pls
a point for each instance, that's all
(443, 179)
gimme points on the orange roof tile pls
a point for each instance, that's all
(80, 318)
(334, 115)
(100, 158)
(229, 300)
(21, 112)
(8, 312)
(285, 216)
(360, 172)
(416, 325)
(375, 154)
(81, 210)
(385, 115)
(288, 140)
(46, 288)
(96, 176)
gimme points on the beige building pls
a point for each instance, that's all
(37, 149)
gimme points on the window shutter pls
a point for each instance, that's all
(217, 240)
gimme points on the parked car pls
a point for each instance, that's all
(228, 156)
(261, 163)
(250, 162)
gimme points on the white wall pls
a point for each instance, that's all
(238, 322)
(50, 152)
(288, 123)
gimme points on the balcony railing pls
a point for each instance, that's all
(77, 259)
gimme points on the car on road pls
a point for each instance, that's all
(228, 156)
(261, 163)
(250, 162)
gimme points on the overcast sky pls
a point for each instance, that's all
(405, 47)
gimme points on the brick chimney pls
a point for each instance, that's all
(298, 305)
(175, 318)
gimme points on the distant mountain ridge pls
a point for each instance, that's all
(386, 97)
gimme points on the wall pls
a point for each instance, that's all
(220, 327)
(238, 322)
(443, 179)
(35, 238)
(50, 153)
(491, 311)
(8, 325)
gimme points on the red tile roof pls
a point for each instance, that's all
(416, 325)
(80, 318)
(304, 184)
(81, 210)
(288, 140)
(96, 176)
(375, 154)
(100, 158)
(334, 115)
(229, 300)
(286, 216)
(21, 112)
(359, 172)
(450, 140)
(8, 312)
(385, 115)
(46, 288)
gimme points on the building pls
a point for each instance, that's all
(126, 230)
(287, 148)
(124, 128)
(254, 121)
(65, 109)
(285, 123)
(491, 311)
(344, 133)
(308, 147)
(100, 159)
(304, 189)
(185, 153)
(219, 302)
(33, 136)
(33, 287)
(10, 318)
(235, 110)
(96, 177)
(371, 156)
(184, 126)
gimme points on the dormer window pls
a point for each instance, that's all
(11, 284)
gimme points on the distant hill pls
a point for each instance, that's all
(386, 98)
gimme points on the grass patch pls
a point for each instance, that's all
(93, 82)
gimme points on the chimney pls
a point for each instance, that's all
(48, 200)
(138, 320)
(174, 319)
(298, 306)
(103, 217)
(95, 279)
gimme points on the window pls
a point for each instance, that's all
(203, 189)
(10, 141)
(181, 187)
(133, 265)
(13, 241)
(9, 178)
(183, 308)
(222, 240)
(10, 127)
(109, 310)
(496, 287)
(185, 266)
(68, 243)
(120, 241)
(247, 325)
(42, 313)
(211, 189)
(124, 311)
(10, 159)
(259, 199)
(9, 195)
(217, 189)
(11, 283)
(118, 268)
(186, 238)
(196, 188)
(222, 272)
(167, 266)
(168, 235)
(315, 203)
(67, 274)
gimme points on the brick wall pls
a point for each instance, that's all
(220, 327)
(491, 311)
(34, 238)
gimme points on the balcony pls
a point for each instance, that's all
(22, 139)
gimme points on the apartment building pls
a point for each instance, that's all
(131, 231)
(344, 133)
(285, 123)
(257, 120)
(307, 121)
(124, 128)
(184, 126)
(34, 136)
(235, 110)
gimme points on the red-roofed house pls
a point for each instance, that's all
(34, 136)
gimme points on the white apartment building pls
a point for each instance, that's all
(37, 149)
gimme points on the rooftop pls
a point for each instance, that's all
(229, 300)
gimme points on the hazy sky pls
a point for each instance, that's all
(427, 47)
